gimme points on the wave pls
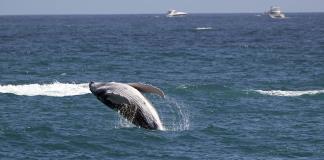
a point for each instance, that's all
(224, 90)
(55, 89)
(289, 93)
(58, 89)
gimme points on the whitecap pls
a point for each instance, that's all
(289, 93)
(55, 89)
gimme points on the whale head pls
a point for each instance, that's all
(99, 88)
(94, 87)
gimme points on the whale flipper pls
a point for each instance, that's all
(117, 98)
(146, 88)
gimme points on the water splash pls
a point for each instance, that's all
(289, 93)
(55, 89)
(121, 122)
(177, 118)
(174, 118)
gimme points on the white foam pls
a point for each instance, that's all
(55, 89)
(289, 93)
(203, 28)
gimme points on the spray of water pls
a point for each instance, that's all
(176, 117)
(121, 122)
(173, 114)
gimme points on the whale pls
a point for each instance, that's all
(127, 99)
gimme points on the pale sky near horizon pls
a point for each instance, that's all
(23, 7)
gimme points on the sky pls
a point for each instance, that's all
(39, 7)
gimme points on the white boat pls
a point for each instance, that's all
(174, 13)
(275, 12)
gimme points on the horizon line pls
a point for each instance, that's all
(71, 14)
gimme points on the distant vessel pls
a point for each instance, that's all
(275, 12)
(174, 13)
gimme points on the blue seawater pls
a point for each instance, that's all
(238, 86)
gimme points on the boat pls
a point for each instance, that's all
(174, 13)
(275, 12)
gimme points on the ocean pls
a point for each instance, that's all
(238, 86)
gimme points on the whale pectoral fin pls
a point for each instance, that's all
(146, 88)
(116, 98)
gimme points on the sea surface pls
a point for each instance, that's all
(238, 86)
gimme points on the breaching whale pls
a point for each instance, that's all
(127, 99)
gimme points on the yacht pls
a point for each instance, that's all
(275, 12)
(174, 13)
